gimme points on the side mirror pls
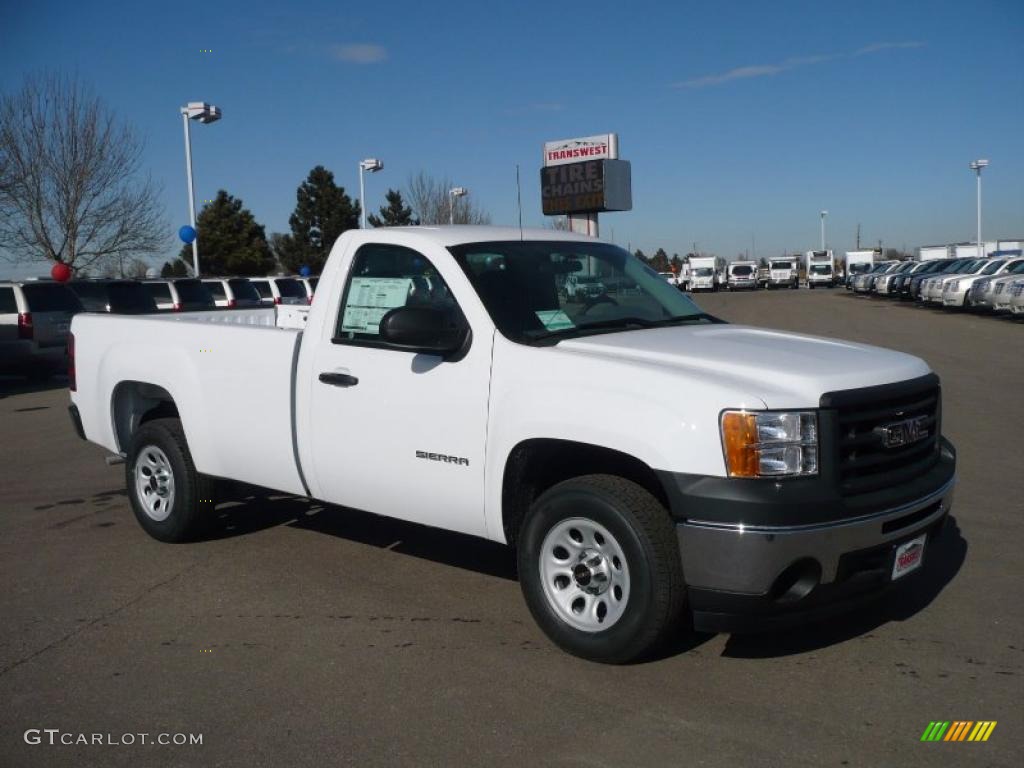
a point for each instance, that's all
(426, 330)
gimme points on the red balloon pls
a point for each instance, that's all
(61, 272)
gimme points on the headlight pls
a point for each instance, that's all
(770, 443)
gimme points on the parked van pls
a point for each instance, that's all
(121, 297)
(232, 292)
(35, 316)
(186, 294)
(741, 275)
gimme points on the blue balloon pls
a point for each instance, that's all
(305, 271)
(187, 234)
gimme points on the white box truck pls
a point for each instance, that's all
(784, 272)
(705, 272)
(859, 262)
(821, 269)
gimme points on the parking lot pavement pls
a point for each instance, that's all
(308, 636)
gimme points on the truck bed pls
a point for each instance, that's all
(231, 374)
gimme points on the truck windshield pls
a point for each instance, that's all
(781, 265)
(703, 272)
(821, 269)
(741, 271)
(860, 267)
(526, 289)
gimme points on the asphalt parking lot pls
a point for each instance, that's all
(303, 635)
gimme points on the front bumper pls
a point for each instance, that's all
(953, 298)
(747, 577)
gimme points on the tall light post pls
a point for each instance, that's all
(203, 113)
(372, 165)
(976, 166)
(823, 214)
(452, 194)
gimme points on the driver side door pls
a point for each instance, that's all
(396, 432)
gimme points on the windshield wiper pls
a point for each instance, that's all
(621, 323)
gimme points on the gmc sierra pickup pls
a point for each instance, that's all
(645, 459)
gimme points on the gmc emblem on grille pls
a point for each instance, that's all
(902, 433)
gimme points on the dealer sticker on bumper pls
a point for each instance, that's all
(909, 557)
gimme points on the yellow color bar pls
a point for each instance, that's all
(988, 731)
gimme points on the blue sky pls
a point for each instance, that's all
(741, 120)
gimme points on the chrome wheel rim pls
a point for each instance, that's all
(154, 483)
(584, 574)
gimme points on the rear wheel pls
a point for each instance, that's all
(600, 570)
(168, 496)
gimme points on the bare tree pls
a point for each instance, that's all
(70, 184)
(134, 268)
(557, 223)
(431, 202)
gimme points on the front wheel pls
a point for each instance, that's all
(600, 570)
(167, 494)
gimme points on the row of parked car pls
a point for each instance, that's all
(994, 284)
(35, 315)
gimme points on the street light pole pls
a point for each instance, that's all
(823, 215)
(204, 113)
(191, 190)
(452, 194)
(372, 165)
(976, 166)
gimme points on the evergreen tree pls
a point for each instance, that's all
(230, 240)
(395, 214)
(659, 261)
(176, 268)
(640, 255)
(322, 212)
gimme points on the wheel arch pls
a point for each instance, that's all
(536, 464)
(133, 403)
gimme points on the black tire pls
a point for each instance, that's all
(192, 492)
(647, 539)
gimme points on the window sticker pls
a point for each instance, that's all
(370, 298)
(554, 319)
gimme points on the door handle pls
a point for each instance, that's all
(339, 379)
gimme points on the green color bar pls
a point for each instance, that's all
(927, 731)
(940, 732)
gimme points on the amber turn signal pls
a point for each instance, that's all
(739, 439)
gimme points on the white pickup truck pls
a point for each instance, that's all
(647, 460)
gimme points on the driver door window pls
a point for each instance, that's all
(382, 278)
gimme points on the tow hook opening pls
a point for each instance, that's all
(796, 582)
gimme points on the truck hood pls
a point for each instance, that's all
(784, 370)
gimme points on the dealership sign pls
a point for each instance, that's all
(604, 146)
(591, 186)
